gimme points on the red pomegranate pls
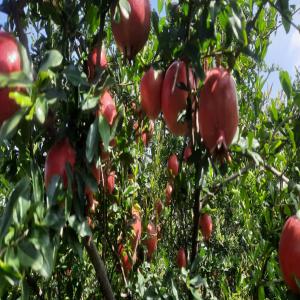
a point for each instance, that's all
(150, 87)
(132, 32)
(289, 252)
(218, 111)
(151, 241)
(127, 266)
(187, 153)
(136, 225)
(169, 190)
(158, 207)
(10, 61)
(173, 98)
(111, 182)
(181, 258)
(97, 173)
(173, 165)
(107, 107)
(96, 58)
(206, 226)
(57, 157)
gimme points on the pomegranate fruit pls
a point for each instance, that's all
(151, 241)
(107, 108)
(96, 173)
(96, 58)
(126, 263)
(150, 87)
(10, 61)
(218, 111)
(57, 157)
(173, 98)
(173, 165)
(111, 182)
(289, 252)
(187, 153)
(169, 190)
(181, 258)
(132, 32)
(136, 225)
(206, 226)
(158, 207)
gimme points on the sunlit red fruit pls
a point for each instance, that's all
(110, 182)
(126, 263)
(132, 32)
(181, 258)
(218, 111)
(174, 98)
(158, 207)
(96, 58)
(289, 253)
(206, 226)
(168, 191)
(151, 241)
(57, 157)
(107, 107)
(10, 61)
(150, 87)
(173, 165)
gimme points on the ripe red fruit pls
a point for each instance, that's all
(96, 58)
(187, 153)
(173, 98)
(132, 32)
(158, 206)
(57, 157)
(218, 111)
(107, 108)
(96, 173)
(111, 182)
(127, 266)
(289, 252)
(169, 190)
(10, 61)
(173, 165)
(150, 87)
(206, 226)
(151, 241)
(181, 258)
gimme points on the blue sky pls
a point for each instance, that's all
(284, 50)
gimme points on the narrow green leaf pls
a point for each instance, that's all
(104, 131)
(53, 58)
(41, 109)
(92, 141)
(160, 5)
(286, 84)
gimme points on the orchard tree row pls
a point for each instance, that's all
(142, 155)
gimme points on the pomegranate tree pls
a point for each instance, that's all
(218, 111)
(206, 226)
(289, 252)
(10, 61)
(107, 107)
(57, 157)
(173, 165)
(96, 58)
(174, 98)
(131, 32)
(150, 87)
(181, 258)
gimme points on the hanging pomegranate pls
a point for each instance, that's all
(150, 87)
(96, 58)
(206, 226)
(181, 258)
(131, 33)
(107, 107)
(218, 111)
(173, 165)
(174, 98)
(151, 241)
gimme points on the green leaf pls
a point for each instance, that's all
(160, 5)
(174, 290)
(26, 63)
(41, 109)
(297, 99)
(21, 99)
(53, 58)
(75, 76)
(125, 8)
(29, 256)
(92, 141)
(90, 102)
(15, 79)
(104, 131)
(22, 188)
(286, 83)
(261, 293)
(9, 127)
(49, 254)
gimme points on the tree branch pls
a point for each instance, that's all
(99, 268)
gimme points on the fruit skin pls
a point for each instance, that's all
(57, 157)
(218, 111)
(173, 98)
(127, 266)
(151, 241)
(158, 207)
(206, 226)
(93, 59)
(107, 107)
(181, 258)
(289, 252)
(187, 153)
(111, 182)
(10, 61)
(173, 165)
(169, 191)
(131, 34)
(150, 87)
